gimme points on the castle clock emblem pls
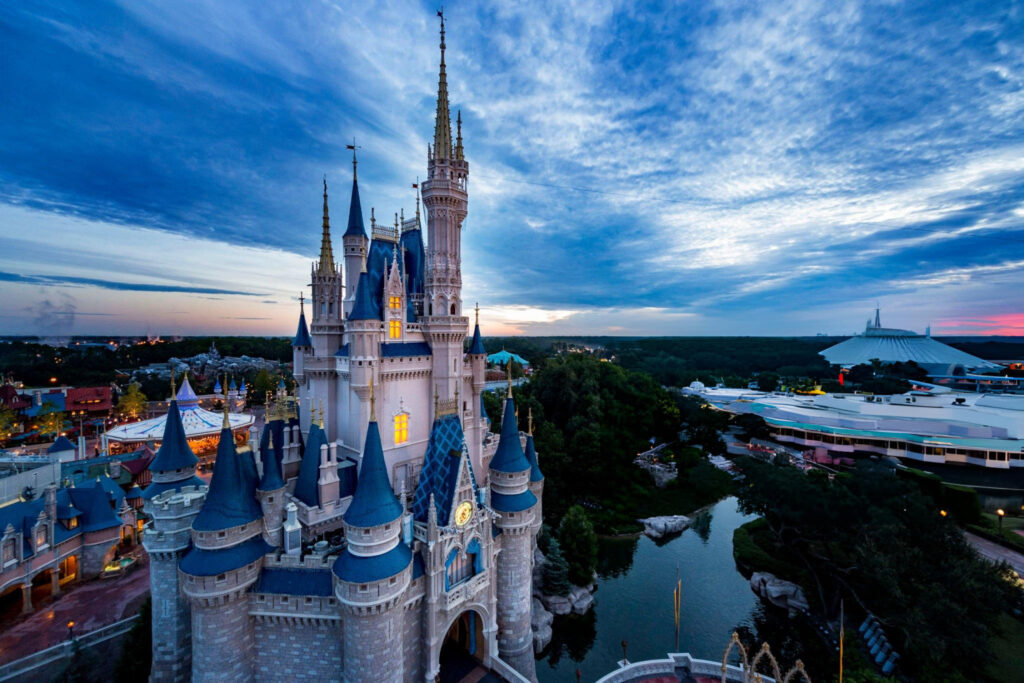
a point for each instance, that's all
(463, 513)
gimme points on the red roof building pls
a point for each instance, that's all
(89, 401)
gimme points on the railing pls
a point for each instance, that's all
(36, 660)
(505, 670)
(466, 589)
(668, 667)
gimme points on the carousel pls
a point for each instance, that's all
(202, 427)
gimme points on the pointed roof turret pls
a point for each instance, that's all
(216, 386)
(302, 338)
(374, 502)
(272, 479)
(186, 394)
(477, 346)
(174, 452)
(509, 456)
(363, 309)
(230, 502)
(355, 210)
(531, 452)
(306, 488)
(442, 123)
(459, 153)
(326, 263)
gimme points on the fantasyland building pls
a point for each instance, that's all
(376, 521)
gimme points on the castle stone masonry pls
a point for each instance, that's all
(375, 528)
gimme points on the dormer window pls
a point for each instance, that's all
(394, 329)
(395, 303)
(401, 428)
(41, 538)
(71, 523)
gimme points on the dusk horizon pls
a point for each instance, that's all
(644, 171)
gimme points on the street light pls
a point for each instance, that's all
(942, 512)
(71, 630)
(1000, 513)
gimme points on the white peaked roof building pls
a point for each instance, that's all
(197, 421)
(891, 345)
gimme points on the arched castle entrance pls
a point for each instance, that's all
(464, 649)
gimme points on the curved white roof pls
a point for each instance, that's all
(197, 421)
(924, 351)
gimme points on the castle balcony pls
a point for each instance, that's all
(466, 590)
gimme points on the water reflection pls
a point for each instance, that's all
(634, 602)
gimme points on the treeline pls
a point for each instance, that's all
(35, 364)
(880, 543)
(591, 419)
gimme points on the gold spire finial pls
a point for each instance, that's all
(478, 314)
(224, 388)
(442, 124)
(373, 402)
(302, 302)
(174, 389)
(437, 401)
(326, 265)
(321, 414)
(529, 421)
(508, 372)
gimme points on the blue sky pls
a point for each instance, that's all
(635, 168)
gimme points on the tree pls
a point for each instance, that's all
(262, 385)
(132, 402)
(556, 571)
(767, 381)
(8, 419)
(137, 652)
(50, 420)
(579, 543)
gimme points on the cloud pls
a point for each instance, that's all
(111, 284)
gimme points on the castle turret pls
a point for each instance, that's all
(270, 492)
(516, 505)
(476, 429)
(373, 572)
(225, 560)
(301, 345)
(307, 488)
(354, 240)
(446, 200)
(536, 476)
(171, 501)
(328, 288)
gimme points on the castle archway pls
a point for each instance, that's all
(464, 649)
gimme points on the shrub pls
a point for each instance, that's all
(579, 545)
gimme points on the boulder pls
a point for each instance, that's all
(556, 604)
(656, 527)
(540, 616)
(583, 603)
(541, 637)
(781, 593)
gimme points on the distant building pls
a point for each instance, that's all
(890, 345)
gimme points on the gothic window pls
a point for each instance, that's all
(461, 566)
(395, 329)
(330, 308)
(10, 551)
(453, 309)
(394, 302)
(401, 428)
(41, 537)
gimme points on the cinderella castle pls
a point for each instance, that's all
(375, 530)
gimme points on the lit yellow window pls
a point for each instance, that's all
(395, 302)
(395, 329)
(401, 428)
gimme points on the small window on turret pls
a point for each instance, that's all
(394, 302)
(401, 428)
(395, 329)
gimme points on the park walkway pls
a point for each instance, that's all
(997, 553)
(90, 605)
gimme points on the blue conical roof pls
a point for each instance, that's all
(363, 309)
(60, 445)
(186, 394)
(230, 502)
(509, 457)
(374, 502)
(174, 452)
(233, 386)
(302, 334)
(355, 214)
(306, 488)
(272, 479)
(477, 347)
(217, 387)
(531, 456)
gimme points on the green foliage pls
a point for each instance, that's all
(755, 551)
(767, 381)
(50, 420)
(136, 659)
(544, 538)
(492, 405)
(959, 501)
(556, 571)
(751, 426)
(576, 535)
(878, 539)
(8, 419)
(132, 402)
(262, 384)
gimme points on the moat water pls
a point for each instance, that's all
(633, 602)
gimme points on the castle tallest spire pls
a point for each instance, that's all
(326, 266)
(443, 123)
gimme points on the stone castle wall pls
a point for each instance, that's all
(515, 599)
(413, 634)
(224, 650)
(172, 623)
(297, 650)
(374, 646)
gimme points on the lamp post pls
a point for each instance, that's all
(1000, 513)
(71, 630)
(942, 512)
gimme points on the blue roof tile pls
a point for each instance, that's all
(272, 479)
(531, 455)
(94, 503)
(230, 501)
(405, 349)
(477, 346)
(200, 562)
(509, 457)
(516, 502)
(302, 338)
(156, 488)
(363, 308)
(60, 445)
(306, 487)
(174, 452)
(356, 569)
(342, 352)
(374, 502)
(285, 581)
(440, 472)
(355, 214)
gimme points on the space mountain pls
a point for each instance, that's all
(375, 521)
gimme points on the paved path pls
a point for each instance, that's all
(91, 605)
(996, 552)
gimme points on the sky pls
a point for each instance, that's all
(677, 168)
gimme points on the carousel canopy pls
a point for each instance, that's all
(197, 421)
